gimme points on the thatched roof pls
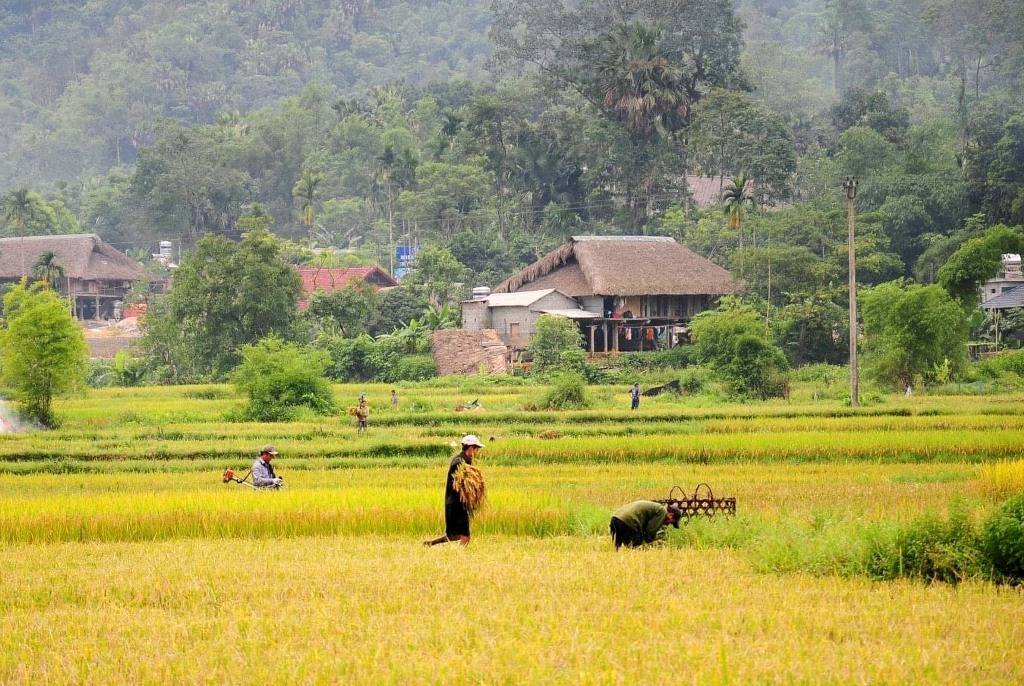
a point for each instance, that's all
(623, 266)
(83, 256)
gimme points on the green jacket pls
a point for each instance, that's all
(645, 517)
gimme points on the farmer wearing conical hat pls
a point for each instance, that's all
(463, 492)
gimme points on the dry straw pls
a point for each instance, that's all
(468, 482)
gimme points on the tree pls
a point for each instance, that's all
(735, 199)
(912, 331)
(978, 260)
(813, 330)
(225, 295)
(44, 351)
(47, 270)
(352, 309)
(554, 336)
(307, 192)
(438, 270)
(871, 109)
(278, 378)
(733, 339)
(20, 207)
(714, 331)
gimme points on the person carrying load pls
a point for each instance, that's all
(642, 522)
(463, 493)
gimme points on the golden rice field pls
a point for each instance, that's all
(126, 560)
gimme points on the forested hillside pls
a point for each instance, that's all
(84, 82)
(494, 130)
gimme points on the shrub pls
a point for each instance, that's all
(715, 331)
(756, 368)
(350, 358)
(554, 336)
(1003, 540)
(1008, 362)
(42, 348)
(568, 392)
(676, 358)
(912, 330)
(930, 548)
(414, 368)
(278, 378)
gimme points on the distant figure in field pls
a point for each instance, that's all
(642, 522)
(362, 413)
(456, 513)
(394, 399)
(263, 475)
(634, 396)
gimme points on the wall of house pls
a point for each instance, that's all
(476, 316)
(516, 325)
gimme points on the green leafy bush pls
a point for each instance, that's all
(554, 336)
(414, 368)
(912, 331)
(568, 392)
(930, 548)
(1003, 540)
(675, 358)
(278, 378)
(42, 350)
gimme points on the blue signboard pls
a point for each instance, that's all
(404, 256)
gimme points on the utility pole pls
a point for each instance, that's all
(850, 186)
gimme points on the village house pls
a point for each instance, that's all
(331, 279)
(627, 293)
(95, 276)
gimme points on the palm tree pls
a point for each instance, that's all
(19, 206)
(638, 80)
(306, 190)
(47, 270)
(735, 199)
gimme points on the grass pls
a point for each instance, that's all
(127, 560)
(371, 610)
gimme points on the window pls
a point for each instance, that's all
(513, 330)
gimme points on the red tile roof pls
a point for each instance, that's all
(330, 279)
(707, 190)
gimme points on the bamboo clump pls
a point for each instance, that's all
(468, 482)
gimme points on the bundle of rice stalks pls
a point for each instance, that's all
(468, 482)
(549, 434)
(352, 411)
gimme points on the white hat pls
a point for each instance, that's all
(470, 439)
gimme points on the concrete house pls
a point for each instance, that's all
(96, 275)
(513, 316)
(630, 292)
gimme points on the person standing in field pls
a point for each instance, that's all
(642, 522)
(394, 399)
(456, 512)
(263, 475)
(362, 413)
(634, 396)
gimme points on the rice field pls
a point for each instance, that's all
(128, 561)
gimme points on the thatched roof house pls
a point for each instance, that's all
(82, 256)
(95, 274)
(619, 266)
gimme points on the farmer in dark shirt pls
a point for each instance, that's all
(634, 396)
(456, 514)
(642, 522)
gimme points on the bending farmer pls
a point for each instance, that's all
(263, 475)
(642, 522)
(456, 513)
